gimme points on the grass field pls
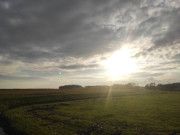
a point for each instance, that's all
(91, 112)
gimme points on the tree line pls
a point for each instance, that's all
(151, 86)
(154, 86)
(114, 86)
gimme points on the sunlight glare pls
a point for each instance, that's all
(120, 63)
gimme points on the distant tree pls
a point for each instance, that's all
(117, 86)
(159, 87)
(125, 86)
(130, 85)
(153, 86)
(71, 87)
(147, 86)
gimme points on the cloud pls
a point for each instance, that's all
(170, 62)
(177, 56)
(171, 36)
(78, 66)
(163, 29)
(43, 30)
(63, 35)
(160, 67)
(19, 78)
(146, 74)
(4, 4)
(47, 30)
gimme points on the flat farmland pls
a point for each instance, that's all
(91, 112)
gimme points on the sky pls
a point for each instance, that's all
(45, 44)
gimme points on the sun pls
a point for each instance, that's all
(120, 63)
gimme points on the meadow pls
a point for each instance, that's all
(90, 112)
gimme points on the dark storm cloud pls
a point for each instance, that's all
(42, 30)
(52, 29)
(45, 30)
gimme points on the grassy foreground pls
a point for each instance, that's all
(95, 112)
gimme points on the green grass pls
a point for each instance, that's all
(93, 113)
